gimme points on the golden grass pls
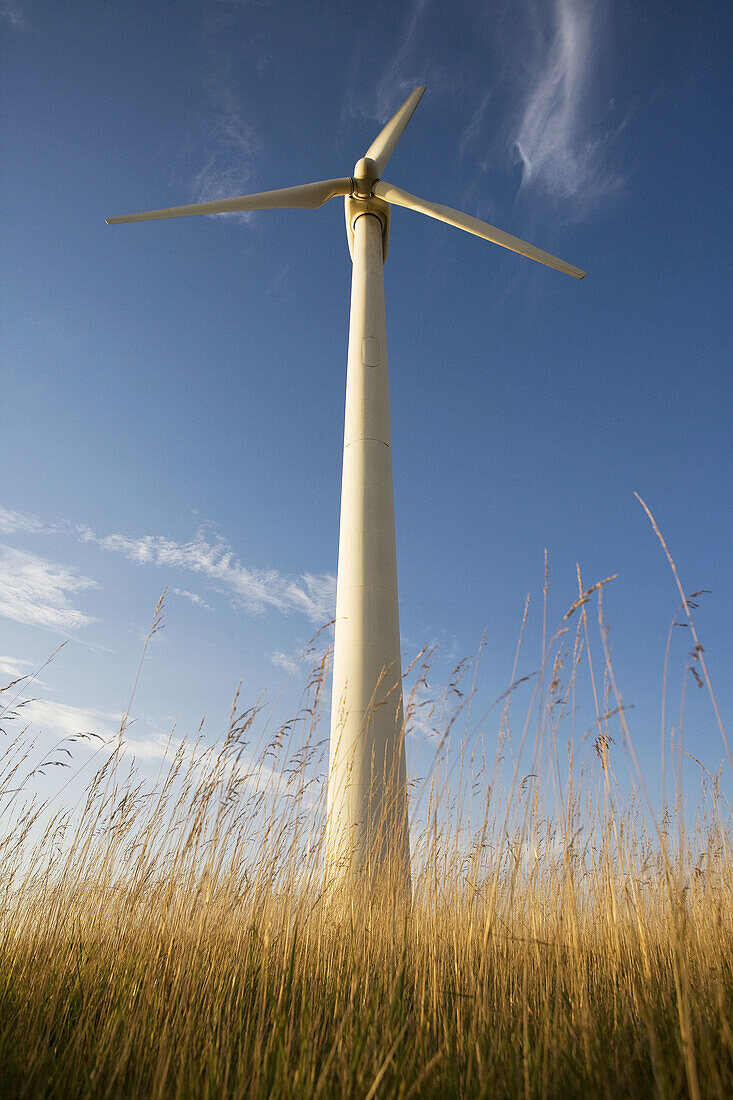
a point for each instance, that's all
(179, 941)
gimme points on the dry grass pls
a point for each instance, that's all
(177, 941)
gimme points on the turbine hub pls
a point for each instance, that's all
(365, 176)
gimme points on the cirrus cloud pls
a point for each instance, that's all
(38, 592)
(38, 589)
(560, 146)
(253, 590)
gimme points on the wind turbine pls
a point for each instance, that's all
(367, 827)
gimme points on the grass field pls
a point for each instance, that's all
(178, 940)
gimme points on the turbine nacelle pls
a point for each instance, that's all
(365, 176)
(362, 201)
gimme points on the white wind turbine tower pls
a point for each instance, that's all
(367, 790)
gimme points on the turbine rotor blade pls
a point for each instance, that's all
(309, 196)
(397, 197)
(383, 146)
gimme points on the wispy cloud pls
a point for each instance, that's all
(254, 590)
(64, 720)
(36, 591)
(192, 597)
(472, 130)
(98, 730)
(400, 76)
(423, 723)
(12, 12)
(560, 148)
(284, 661)
(403, 72)
(38, 587)
(23, 522)
(232, 147)
(15, 667)
(87, 730)
(157, 746)
(307, 660)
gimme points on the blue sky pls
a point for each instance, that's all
(173, 391)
